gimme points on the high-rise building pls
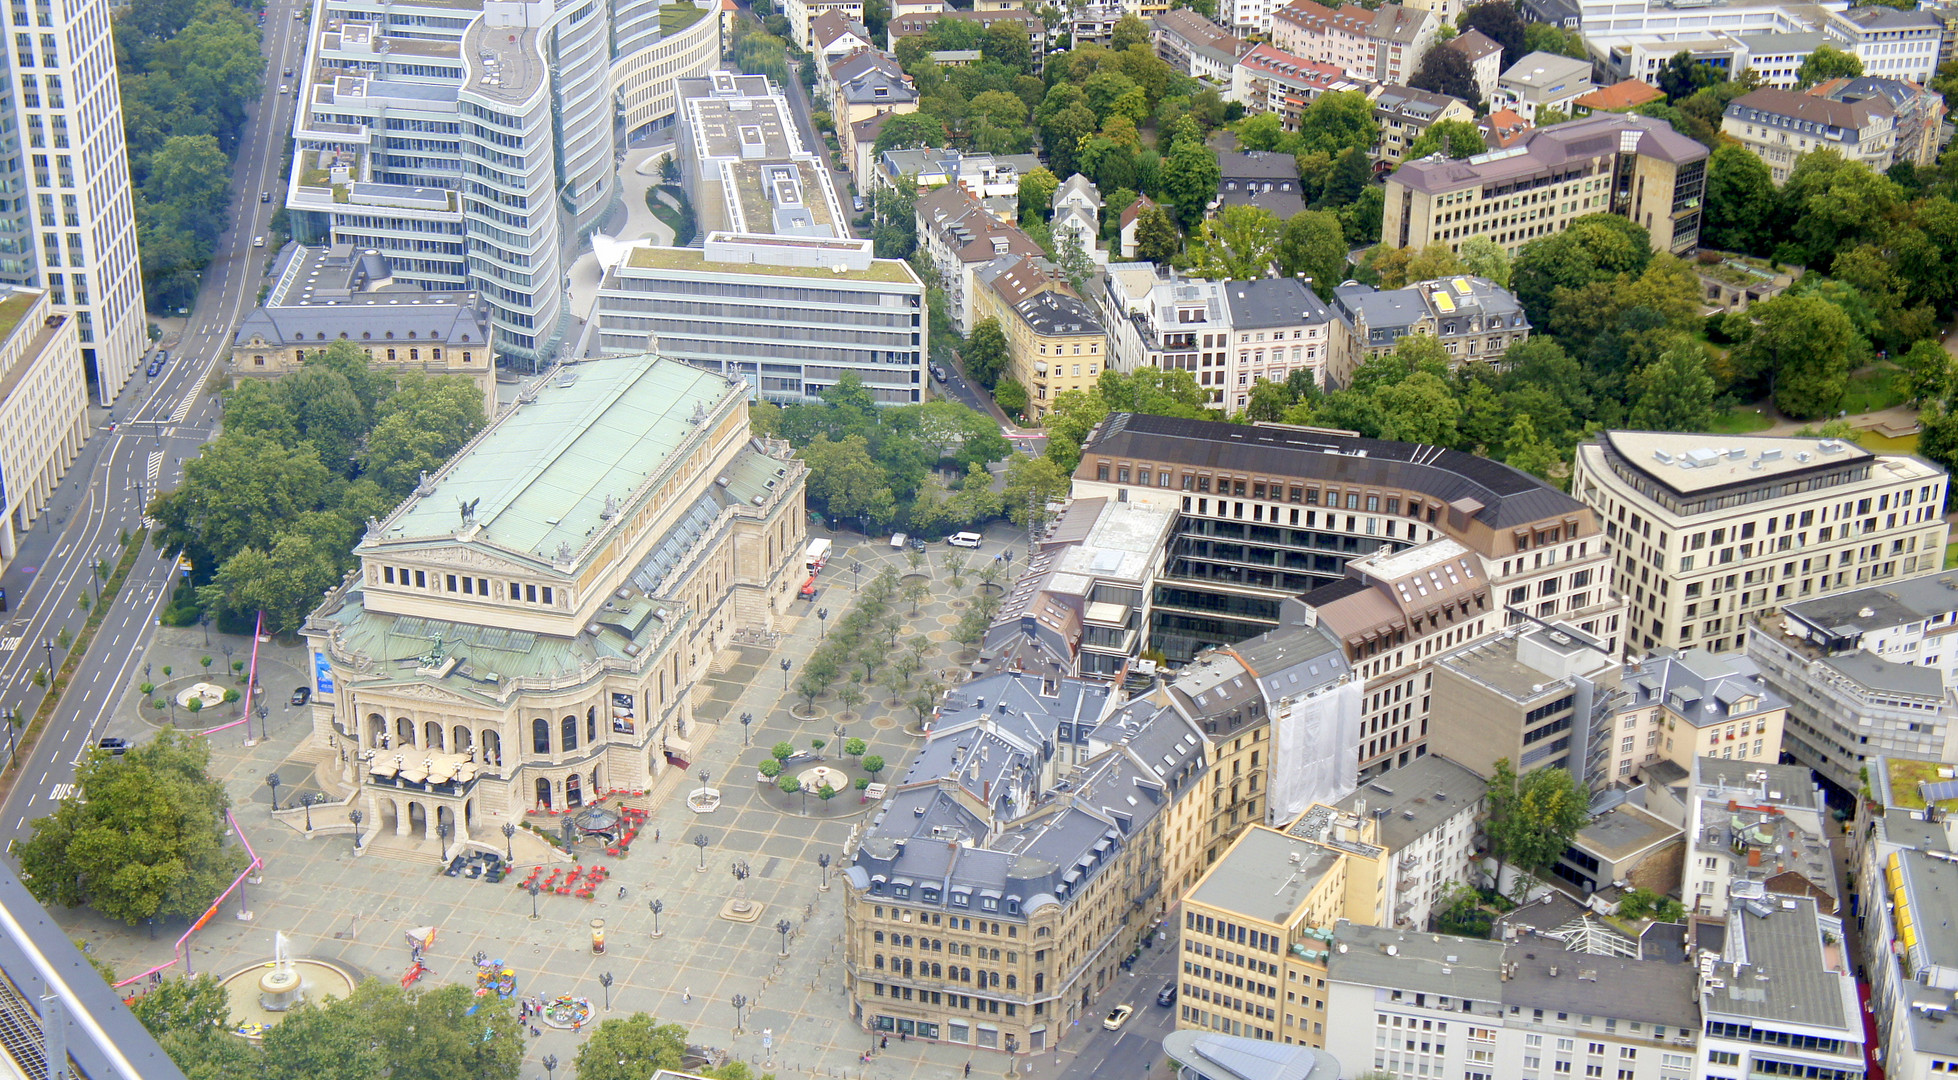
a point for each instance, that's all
(67, 221)
(1708, 530)
(43, 408)
(475, 143)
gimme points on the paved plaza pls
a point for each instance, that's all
(355, 910)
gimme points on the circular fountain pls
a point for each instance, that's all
(261, 993)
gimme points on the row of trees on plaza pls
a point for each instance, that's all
(269, 512)
(188, 69)
(868, 648)
(438, 1033)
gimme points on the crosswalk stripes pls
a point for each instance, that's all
(155, 468)
(183, 408)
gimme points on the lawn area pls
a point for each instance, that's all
(1951, 555)
(1742, 421)
(1879, 386)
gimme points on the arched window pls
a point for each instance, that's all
(540, 736)
(878, 937)
(543, 792)
(1012, 982)
(569, 726)
(937, 972)
(878, 963)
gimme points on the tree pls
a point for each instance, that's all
(144, 839)
(1032, 483)
(1485, 258)
(1447, 71)
(1557, 40)
(873, 764)
(630, 1048)
(1929, 372)
(1011, 397)
(1037, 187)
(1532, 818)
(1420, 409)
(1130, 30)
(1006, 44)
(1190, 178)
(1074, 262)
(1807, 347)
(1313, 244)
(1454, 138)
(1937, 440)
(854, 747)
(1156, 237)
(1825, 63)
(1268, 402)
(1338, 121)
(1592, 248)
(419, 427)
(1237, 244)
(1674, 392)
(848, 481)
(1434, 261)
(908, 130)
(985, 352)
(1351, 174)
(782, 751)
(1499, 22)
(1740, 200)
(669, 169)
(1682, 76)
(1830, 204)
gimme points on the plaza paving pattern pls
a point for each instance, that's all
(355, 909)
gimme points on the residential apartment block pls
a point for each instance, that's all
(475, 145)
(1892, 44)
(866, 84)
(1405, 114)
(1779, 126)
(323, 295)
(1484, 57)
(961, 234)
(1054, 339)
(803, 14)
(543, 649)
(1920, 112)
(1383, 45)
(1707, 532)
(1269, 79)
(1475, 319)
(43, 408)
(1424, 816)
(1632, 166)
(1229, 334)
(1200, 48)
(1683, 706)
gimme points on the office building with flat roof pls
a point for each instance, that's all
(1537, 694)
(1632, 166)
(1780, 999)
(1708, 531)
(526, 630)
(1424, 818)
(43, 409)
(475, 143)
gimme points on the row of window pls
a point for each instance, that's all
(515, 591)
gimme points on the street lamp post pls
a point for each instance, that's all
(740, 1002)
(307, 800)
(855, 568)
(605, 980)
(273, 782)
(783, 929)
(704, 774)
(354, 816)
(263, 731)
(822, 860)
(550, 1065)
(656, 906)
(509, 842)
(822, 623)
(533, 889)
(48, 644)
(442, 833)
(700, 841)
(785, 672)
(746, 719)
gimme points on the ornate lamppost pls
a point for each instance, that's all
(783, 929)
(700, 841)
(656, 906)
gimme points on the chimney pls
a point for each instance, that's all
(1754, 858)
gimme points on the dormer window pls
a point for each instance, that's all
(989, 903)
(928, 894)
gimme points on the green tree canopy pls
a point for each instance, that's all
(145, 837)
(1807, 347)
(1825, 63)
(1446, 71)
(985, 352)
(1675, 392)
(1740, 200)
(1190, 178)
(1337, 121)
(1455, 138)
(1533, 817)
(1238, 244)
(633, 1047)
(1313, 244)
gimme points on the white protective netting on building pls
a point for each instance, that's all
(1315, 751)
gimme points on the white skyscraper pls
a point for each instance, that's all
(67, 221)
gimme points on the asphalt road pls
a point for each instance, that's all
(1131, 1052)
(137, 450)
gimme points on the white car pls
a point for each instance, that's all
(258, 241)
(1119, 1017)
(898, 540)
(964, 539)
(284, 89)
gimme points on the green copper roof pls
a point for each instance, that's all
(541, 474)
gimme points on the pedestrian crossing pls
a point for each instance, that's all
(155, 468)
(182, 410)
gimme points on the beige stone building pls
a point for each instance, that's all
(1707, 531)
(1779, 126)
(1632, 166)
(527, 630)
(43, 408)
(341, 293)
(1693, 704)
(1055, 342)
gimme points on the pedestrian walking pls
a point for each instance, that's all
(687, 995)
(622, 892)
(884, 1043)
(968, 1068)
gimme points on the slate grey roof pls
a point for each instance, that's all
(1265, 874)
(1648, 991)
(1416, 797)
(1257, 165)
(1884, 676)
(1462, 968)
(1699, 687)
(1893, 604)
(1841, 120)
(1780, 976)
(1509, 497)
(1268, 302)
(1206, 1055)
(1407, 101)
(1053, 313)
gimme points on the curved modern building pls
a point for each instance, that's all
(475, 142)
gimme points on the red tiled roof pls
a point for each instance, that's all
(1625, 95)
